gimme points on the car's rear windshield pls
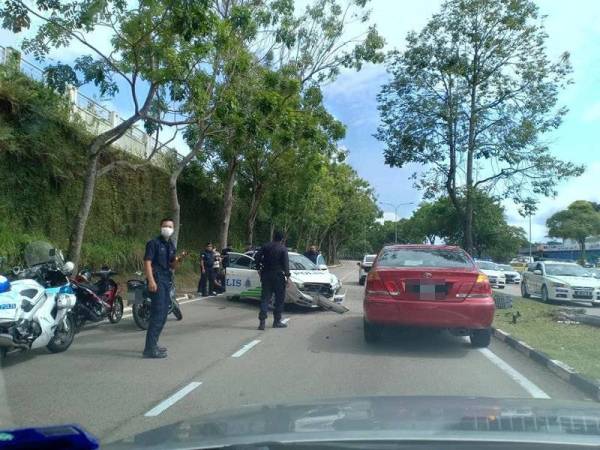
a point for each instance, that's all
(424, 257)
(370, 258)
(487, 265)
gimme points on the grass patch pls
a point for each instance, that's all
(576, 345)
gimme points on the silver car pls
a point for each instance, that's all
(363, 268)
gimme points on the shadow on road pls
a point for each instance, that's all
(346, 336)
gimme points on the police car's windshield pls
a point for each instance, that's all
(300, 262)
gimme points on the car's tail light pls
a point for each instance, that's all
(480, 289)
(375, 285)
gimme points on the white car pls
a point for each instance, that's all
(364, 266)
(563, 281)
(493, 272)
(311, 286)
(511, 275)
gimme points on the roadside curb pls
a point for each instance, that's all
(559, 368)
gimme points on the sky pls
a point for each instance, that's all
(572, 26)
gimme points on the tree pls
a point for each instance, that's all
(579, 221)
(152, 42)
(310, 49)
(471, 97)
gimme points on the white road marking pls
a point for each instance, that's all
(286, 320)
(245, 348)
(172, 399)
(520, 379)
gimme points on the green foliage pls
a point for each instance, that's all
(492, 236)
(579, 221)
(42, 165)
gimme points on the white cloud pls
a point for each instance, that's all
(586, 187)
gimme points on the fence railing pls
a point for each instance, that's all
(96, 117)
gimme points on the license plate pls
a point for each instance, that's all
(584, 293)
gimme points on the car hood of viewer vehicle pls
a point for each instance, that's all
(383, 418)
(313, 276)
(493, 273)
(576, 281)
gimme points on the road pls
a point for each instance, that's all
(515, 289)
(218, 360)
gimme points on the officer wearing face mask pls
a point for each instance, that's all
(160, 261)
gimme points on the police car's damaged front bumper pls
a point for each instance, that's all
(310, 299)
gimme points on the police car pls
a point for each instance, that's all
(311, 286)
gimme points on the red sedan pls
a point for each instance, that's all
(429, 286)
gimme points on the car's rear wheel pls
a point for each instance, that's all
(524, 291)
(545, 297)
(481, 338)
(361, 281)
(372, 332)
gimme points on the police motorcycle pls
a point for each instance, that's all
(138, 298)
(35, 302)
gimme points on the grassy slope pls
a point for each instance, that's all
(576, 345)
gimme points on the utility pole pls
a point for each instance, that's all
(396, 206)
(529, 236)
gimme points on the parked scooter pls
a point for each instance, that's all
(96, 301)
(139, 299)
(35, 302)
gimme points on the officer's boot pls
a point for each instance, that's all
(261, 324)
(277, 323)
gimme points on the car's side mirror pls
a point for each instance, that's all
(537, 271)
(322, 267)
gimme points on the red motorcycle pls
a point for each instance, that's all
(96, 301)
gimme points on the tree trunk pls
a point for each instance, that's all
(175, 206)
(468, 218)
(272, 232)
(228, 202)
(85, 206)
(253, 213)
(582, 247)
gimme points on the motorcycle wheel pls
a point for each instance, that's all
(141, 315)
(63, 338)
(177, 311)
(117, 311)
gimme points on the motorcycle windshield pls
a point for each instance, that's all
(40, 252)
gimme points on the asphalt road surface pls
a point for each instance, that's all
(515, 289)
(218, 360)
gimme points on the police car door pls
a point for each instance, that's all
(242, 278)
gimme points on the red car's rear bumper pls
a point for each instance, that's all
(470, 313)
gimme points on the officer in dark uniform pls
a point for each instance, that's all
(159, 262)
(312, 253)
(273, 262)
(207, 267)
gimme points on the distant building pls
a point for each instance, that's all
(568, 250)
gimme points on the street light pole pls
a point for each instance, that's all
(396, 206)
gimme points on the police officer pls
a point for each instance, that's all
(159, 262)
(312, 253)
(273, 261)
(207, 267)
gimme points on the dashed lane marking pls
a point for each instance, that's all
(167, 403)
(245, 348)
